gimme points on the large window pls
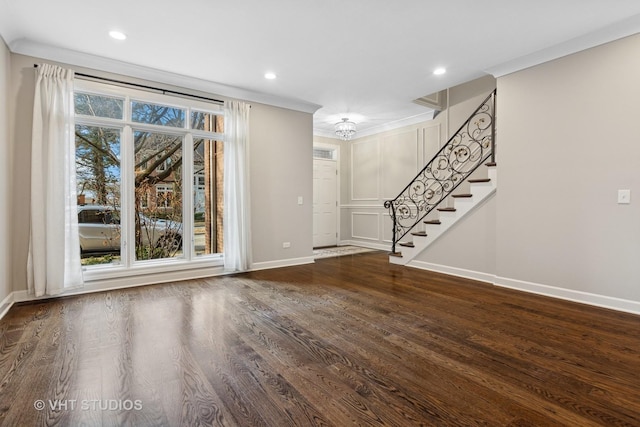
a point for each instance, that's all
(149, 178)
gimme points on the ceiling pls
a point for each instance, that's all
(362, 59)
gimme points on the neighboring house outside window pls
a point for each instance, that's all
(154, 162)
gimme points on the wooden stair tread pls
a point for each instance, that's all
(396, 254)
(479, 180)
(419, 233)
(433, 221)
(447, 209)
(460, 196)
(407, 244)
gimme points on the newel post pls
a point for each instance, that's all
(392, 210)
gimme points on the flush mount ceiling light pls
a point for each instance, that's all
(345, 129)
(270, 76)
(118, 35)
(439, 71)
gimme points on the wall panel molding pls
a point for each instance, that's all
(431, 142)
(365, 226)
(400, 161)
(365, 170)
(367, 206)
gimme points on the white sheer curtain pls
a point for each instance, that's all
(54, 246)
(237, 218)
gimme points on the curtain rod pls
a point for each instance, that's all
(164, 91)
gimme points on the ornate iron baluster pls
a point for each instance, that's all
(468, 148)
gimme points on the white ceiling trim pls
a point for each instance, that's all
(409, 121)
(619, 30)
(80, 59)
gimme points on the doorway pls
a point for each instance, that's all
(325, 197)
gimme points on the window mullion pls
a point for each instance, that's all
(128, 198)
(187, 197)
(98, 121)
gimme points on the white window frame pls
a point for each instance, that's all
(129, 266)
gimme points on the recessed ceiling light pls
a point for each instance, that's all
(270, 76)
(118, 35)
(439, 71)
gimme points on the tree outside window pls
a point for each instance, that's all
(155, 136)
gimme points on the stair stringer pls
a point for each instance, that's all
(480, 191)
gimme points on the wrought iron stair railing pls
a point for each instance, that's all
(472, 145)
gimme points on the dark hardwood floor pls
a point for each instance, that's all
(345, 341)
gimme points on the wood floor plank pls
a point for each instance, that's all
(344, 341)
(356, 339)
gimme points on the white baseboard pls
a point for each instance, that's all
(613, 303)
(604, 301)
(6, 304)
(22, 296)
(281, 263)
(370, 245)
(453, 271)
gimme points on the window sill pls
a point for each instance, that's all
(163, 267)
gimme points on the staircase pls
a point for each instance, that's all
(431, 230)
(471, 147)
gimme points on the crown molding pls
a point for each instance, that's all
(100, 63)
(625, 28)
(373, 130)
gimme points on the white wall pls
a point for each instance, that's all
(468, 248)
(281, 170)
(5, 176)
(568, 133)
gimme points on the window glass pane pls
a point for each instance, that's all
(324, 153)
(98, 188)
(148, 133)
(158, 195)
(89, 214)
(98, 105)
(207, 196)
(201, 120)
(155, 114)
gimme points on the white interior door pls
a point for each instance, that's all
(325, 201)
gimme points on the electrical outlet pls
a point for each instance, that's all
(624, 197)
(286, 245)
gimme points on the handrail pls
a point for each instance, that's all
(466, 150)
